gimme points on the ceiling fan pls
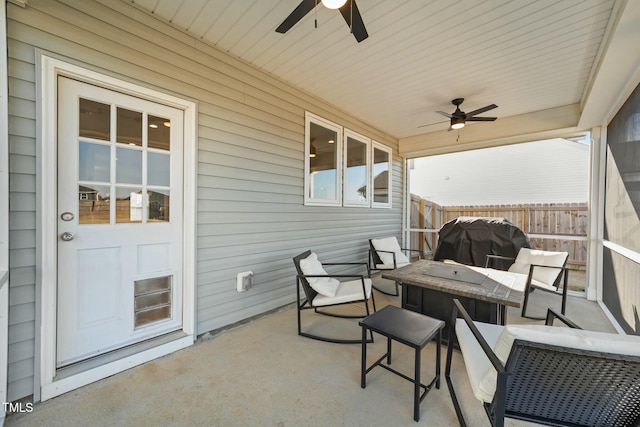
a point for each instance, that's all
(459, 118)
(348, 9)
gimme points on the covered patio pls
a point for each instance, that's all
(216, 148)
(261, 373)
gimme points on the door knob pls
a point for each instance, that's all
(66, 236)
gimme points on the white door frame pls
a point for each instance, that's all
(49, 69)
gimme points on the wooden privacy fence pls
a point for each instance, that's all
(562, 219)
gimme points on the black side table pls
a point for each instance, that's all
(410, 328)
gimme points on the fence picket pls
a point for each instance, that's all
(570, 219)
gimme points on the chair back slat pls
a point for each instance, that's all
(561, 273)
(572, 386)
(308, 290)
(374, 254)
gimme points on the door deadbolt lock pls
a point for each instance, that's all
(67, 216)
(66, 236)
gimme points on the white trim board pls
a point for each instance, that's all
(621, 250)
(49, 69)
(611, 318)
(4, 211)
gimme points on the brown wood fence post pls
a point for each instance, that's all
(546, 218)
(421, 225)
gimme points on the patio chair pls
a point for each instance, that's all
(545, 270)
(322, 290)
(548, 375)
(386, 254)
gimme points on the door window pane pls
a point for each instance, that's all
(94, 120)
(129, 127)
(93, 204)
(128, 205)
(94, 162)
(158, 205)
(128, 166)
(158, 172)
(355, 174)
(159, 133)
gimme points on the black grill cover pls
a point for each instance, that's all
(468, 240)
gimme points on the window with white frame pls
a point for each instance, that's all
(381, 176)
(344, 168)
(323, 161)
(356, 169)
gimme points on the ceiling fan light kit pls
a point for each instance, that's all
(457, 123)
(333, 4)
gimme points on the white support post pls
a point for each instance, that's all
(596, 214)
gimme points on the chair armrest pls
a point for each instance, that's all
(366, 264)
(488, 351)
(563, 269)
(491, 256)
(393, 254)
(341, 276)
(344, 263)
(420, 253)
(379, 250)
(553, 314)
(410, 250)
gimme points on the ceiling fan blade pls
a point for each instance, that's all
(481, 110)
(445, 114)
(350, 9)
(298, 13)
(481, 119)
(436, 123)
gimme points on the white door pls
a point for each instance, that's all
(119, 220)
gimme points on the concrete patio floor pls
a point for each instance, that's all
(261, 373)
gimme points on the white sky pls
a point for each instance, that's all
(551, 171)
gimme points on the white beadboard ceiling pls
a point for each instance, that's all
(522, 55)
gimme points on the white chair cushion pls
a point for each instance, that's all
(475, 360)
(560, 336)
(347, 291)
(326, 286)
(389, 244)
(390, 266)
(544, 277)
(515, 281)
